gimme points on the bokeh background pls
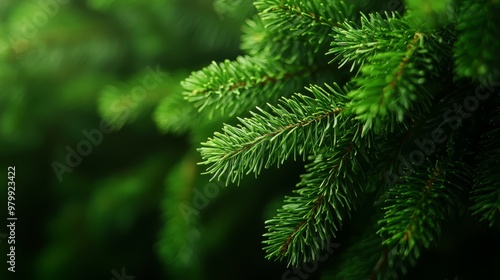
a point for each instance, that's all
(69, 66)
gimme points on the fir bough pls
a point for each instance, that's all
(373, 134)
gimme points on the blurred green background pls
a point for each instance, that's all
(107, 181)
(101, 181)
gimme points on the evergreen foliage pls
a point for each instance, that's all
(384, 114)
(415, 84)
(67, 67)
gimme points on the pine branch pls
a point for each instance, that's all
(416, 208)
(175, 115)
(486, 193)
(233, 87)
(402, 91)
(368, 259)
(257, 40)
(327, 194)
(355, 44)
(312, 19)
(393, 81)
(296, 126)
(359, 259)
(396, 57)
(425, 131)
